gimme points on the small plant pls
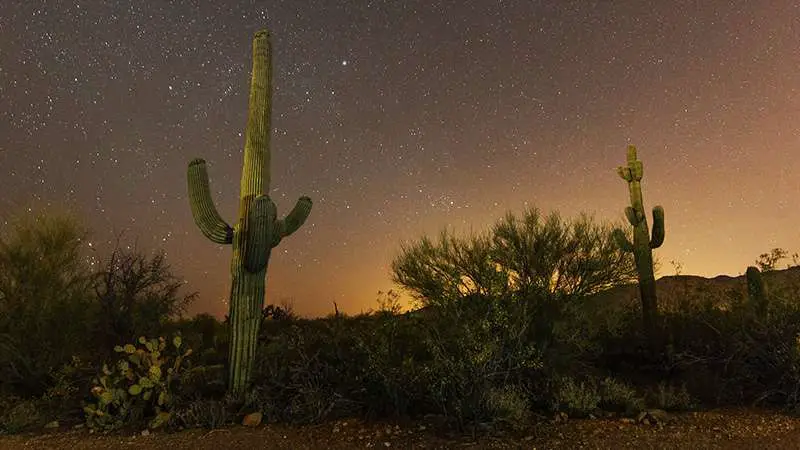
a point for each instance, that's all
(18, 415)
(669, 398)
(677, 266)
(767, 261)
(508, 405)
(390, 303)
(575, 399)
(619, 397)
(138, 384)
(206, 413)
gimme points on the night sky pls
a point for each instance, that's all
(399, 118)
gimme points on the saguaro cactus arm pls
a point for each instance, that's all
(293, 221)
(658, 227)
(622, 241)
(203, 210)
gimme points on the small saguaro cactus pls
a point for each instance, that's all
(642, 242)
(756, 292)
(258, 229)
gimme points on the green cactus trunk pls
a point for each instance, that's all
(756, 292)
(258, 229)
(642, 242)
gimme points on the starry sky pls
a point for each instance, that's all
(399, 118)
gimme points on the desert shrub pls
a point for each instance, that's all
(204, 333)
(393, 383)
(310, 371)
(476, 344)
(137, 295)
(537, 273)
(19, 414)
(519, 256)
(67, 391)
(670, 398)
(202, 381)
(576, 398)
(141, 384)
(46, 307)
(508, 406)
(616, 396)
(206, 413)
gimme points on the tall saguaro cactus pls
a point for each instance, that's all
(258, 229)
(642, 242)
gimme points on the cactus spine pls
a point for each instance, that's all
(642, 242)
(756, 292)
(258, 229)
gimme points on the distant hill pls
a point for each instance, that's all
(672, 290)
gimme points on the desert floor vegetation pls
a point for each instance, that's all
(508, 327)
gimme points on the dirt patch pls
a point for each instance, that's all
(716, 429)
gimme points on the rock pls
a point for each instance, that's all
(654, 417)
(145, 433)
(252, 420)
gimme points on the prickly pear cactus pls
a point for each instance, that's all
(258, 229)
(642, 242)
(140, 383)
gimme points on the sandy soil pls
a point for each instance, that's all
(716, 429)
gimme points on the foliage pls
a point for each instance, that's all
(509, 406)
(670, 398)
(477, 344)
(17, 414)
(137, 295)
(205, 333)
(767, 262)
(310, 371)
(389, 304)
(206, 413)
(518, 257)
(140, 383)
(576, 398)
(46, 307)
(617, 396)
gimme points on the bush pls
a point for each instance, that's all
(619, 397)
(575, 398)
(508, 406)
(475, 345)
(392, 379)
(205, 413)
(669, 398)
(18, 414)
(137, 296)
(519, 257)
(310, 371)
(47, 312)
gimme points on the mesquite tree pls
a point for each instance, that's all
(258, 229)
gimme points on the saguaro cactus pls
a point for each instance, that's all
(642, 242)
(756, 292)
(258, 229)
